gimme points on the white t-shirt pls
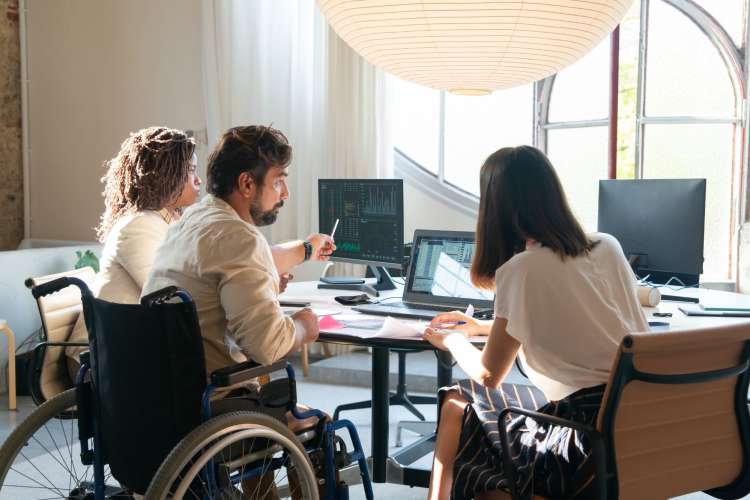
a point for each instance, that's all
(569, 314)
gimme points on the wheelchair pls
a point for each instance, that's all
(142, 420)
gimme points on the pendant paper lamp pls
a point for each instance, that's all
(469, 46)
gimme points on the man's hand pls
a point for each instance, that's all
(284, 281)
(323, 246)
(309, 323)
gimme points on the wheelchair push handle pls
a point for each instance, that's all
(58, 284)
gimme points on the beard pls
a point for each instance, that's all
(262, 218)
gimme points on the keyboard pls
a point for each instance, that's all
(404, 310)
(421, 307)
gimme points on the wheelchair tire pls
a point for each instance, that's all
(41, 457)
(216, 443)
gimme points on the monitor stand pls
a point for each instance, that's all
(384, 282)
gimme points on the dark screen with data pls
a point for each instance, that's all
(371, 218)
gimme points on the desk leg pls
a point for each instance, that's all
(444, 369)
(380, 378)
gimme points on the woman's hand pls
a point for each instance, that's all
(441, 338)
(457, 320)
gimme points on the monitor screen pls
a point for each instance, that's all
(371, 219)
(659, 223)
(440, 267)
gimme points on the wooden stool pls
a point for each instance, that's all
(5, 329)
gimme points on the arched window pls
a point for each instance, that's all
(681, 85)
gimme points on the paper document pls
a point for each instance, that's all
(396, 329)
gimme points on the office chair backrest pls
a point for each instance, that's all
(59, 313)
(148, 373)
(675, 416)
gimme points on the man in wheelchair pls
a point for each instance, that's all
(165, 373)
(217, 254)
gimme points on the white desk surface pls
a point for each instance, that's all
(323, 299)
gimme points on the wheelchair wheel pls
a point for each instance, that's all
(233, 456)
(42, 457)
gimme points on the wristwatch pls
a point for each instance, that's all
(308, 249)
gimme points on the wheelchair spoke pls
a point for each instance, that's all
(52, 489)
(70, 451)
(50, 452)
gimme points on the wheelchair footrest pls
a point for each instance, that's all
(336, 459)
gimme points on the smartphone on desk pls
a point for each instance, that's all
(293, 303)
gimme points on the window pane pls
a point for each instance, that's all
(476, 127)
(415, 112)
(698, 151)
(581, 91)
(630, 30)
(675, 84)
(580, 159)
(729, 13)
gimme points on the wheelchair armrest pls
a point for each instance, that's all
(597, 446)
(243, 372)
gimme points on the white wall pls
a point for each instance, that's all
(98, 70)
(424, 211)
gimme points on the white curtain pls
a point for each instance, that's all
(276, 62)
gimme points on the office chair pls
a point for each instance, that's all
(59, 313)
(674, 418)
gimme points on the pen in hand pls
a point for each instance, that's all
(450, 323)
(335, 225)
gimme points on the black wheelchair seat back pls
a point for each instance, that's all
(148, 374)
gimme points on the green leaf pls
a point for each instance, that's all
(87, 258)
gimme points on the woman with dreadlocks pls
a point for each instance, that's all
(146, 187)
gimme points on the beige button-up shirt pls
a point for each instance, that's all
(226, 265)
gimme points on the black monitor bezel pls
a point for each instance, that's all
(419, 298)
(689, 276)
(350, 260)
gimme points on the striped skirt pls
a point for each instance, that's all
(551, 461)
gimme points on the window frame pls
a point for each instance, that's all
(735, 58)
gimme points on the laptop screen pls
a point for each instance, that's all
(439, 270)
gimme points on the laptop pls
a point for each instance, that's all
(438, 279)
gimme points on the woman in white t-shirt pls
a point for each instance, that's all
(564, 300)
(147, 185)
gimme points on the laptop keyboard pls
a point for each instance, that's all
(425, 307)
(410, 311)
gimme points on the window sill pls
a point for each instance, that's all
(428, 183)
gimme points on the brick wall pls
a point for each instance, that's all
(11, 172)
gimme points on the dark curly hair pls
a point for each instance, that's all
(253, 149)
(148, 173)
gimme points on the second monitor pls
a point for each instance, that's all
(371, 225)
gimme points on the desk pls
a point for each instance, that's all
(387, 469)
(383, 468)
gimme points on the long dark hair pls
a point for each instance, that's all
(521, 198)
(148, 173)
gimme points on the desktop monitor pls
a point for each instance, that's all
(371, 222)
(659, 223)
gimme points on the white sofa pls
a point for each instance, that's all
(17, 306)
